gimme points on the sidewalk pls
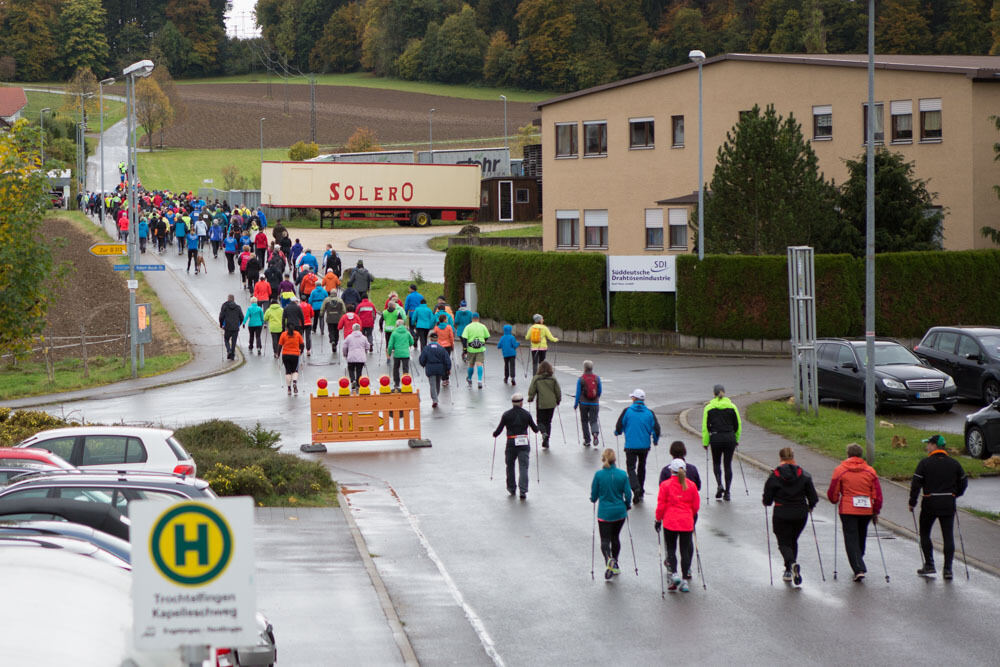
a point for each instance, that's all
(760, 448)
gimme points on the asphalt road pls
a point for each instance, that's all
(478, 577)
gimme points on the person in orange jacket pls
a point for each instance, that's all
(855, 486)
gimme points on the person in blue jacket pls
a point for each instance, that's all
(192, 247)
(611, 491)
(423, 321)
(143, 233)
(254, 322)
(437, 362)
(215, 237)
(410, 303)
(588, 401)
(508, 345)
(639, 425)
(229, 246)
(462, 318)
(316, 299)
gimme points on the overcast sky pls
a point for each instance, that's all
(240, 20)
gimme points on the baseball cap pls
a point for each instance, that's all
(935, 440)
(639, 394)
(677, 464)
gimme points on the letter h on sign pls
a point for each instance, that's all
(199, 545)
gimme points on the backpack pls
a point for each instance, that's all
(536, 334)
(589, 386)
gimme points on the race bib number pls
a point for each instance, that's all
(862, 501)
(521, 441)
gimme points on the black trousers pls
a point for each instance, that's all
(509, 367)
(671, 537)
(855, 534)
(396, 363)
(521, 455)
(334, 334)
(230, 340)
(255, 335)
(354, 369)
(610, 531)
(422, 337)
(230, 261)
(215, 248)
(947, 521)
(192, 256)
(544, 419)
(275, 335)
(537, 357)
(787, 532)
(635, 464)
(723, 453)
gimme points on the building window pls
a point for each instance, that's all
(566, 140)
(521, 196)
(567, 229)
(879, 129)
(678, 220)
(677, 129)
(640, 131)
(930, 120)
(902, 121)
(654, 229)
(595, 227)
(822, 122)
(595, 138)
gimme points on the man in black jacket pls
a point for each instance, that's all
(517, 421)
(791, 490)
(230, 319)
(292, 315)
(942, 479)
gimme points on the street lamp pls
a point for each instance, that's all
(262, 139)
(870, 245)
(41, 121)
(699, 57)
(140, 69)
(100, 91)
(430, 136)
(81, 147)
(504, 98)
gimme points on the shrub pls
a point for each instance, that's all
(16, 425)
(246, 481)
(300, 150)
(457, 272)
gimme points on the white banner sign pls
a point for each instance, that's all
(642, 273)
(193, 573)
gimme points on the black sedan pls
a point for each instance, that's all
(971, 355)
(901, 378)
(982, 431)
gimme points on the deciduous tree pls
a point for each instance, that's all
(362, 141)
(197, 21)
(901, 27)
(456, 55)
(82, 40)
(339, 49)
(152, 107)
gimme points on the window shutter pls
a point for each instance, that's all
(930, 105)
(595, 218)
(901, 107)
(654, 218)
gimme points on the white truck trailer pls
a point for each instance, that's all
(410, 194)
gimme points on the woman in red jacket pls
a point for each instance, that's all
(856, 487)
(676, 507)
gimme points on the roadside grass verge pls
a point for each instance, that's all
(185, 169)
(368, 80)
(382, 286)
(441, 242)
(834, 429)
(114, 110)
(30, 378)
(984, 514)
(239, 461)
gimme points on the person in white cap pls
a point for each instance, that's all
(639, 425)
(517, 421)
(676, 506)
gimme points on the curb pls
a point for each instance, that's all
(392, 617)
(902, 531)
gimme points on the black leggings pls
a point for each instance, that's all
(687, 549)
(723, 453)
(787, 532)
(610, 544)
(255, 335)
(947, 536)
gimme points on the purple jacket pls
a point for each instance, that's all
(355, 347)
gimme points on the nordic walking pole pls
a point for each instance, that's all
(816, 539)
(538, 468)
(835, 543)
(965, 556)
(767, 536)
(561, 428)
(917, 531)
(697, 555)
(634, 563)
(576, 422)
(618, 450)
(593, 543)
(493, 462)
(880, 553)
(708, 477)
(745, 487)
(659, 547)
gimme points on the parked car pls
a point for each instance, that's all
(971, 355)
(108, 487)
(98, 516)
(12, 456)
(117, 447)
(11, 471)
(78, 545)
(982, 431)
(902, 379)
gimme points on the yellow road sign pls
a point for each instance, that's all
(191, 544)
(106, 249)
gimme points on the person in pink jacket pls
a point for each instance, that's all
(355, 348)
(676, 506)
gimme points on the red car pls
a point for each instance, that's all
(11, 457)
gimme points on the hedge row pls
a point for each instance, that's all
(643, 311)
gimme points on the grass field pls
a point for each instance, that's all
(441, 242)
(30, 379)
(834, 429)
(185, 170)
(382, 286)
(113, 111)
(366, 80)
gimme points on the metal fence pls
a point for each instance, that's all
(249, 198)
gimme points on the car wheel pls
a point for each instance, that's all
(975, 443)
(942, 407)
(991, 391)
(878, 403)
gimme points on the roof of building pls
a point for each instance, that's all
(12, 100)
(683, 199)
(974, 67)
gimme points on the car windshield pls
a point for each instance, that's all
(888, 355)
(992, 344)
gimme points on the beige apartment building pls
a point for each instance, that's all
(620, 161)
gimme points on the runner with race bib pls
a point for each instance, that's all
(517, 421)
(855, 486)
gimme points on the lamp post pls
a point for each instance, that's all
(430, 136)
(81, 147)
(100, 91)
(699, 57)
(870, 245)
(504, 98)
(41, 121)
(262, 139)
(140, 69)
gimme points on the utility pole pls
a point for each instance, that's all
(312, 107)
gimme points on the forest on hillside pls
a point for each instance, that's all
(558, 45)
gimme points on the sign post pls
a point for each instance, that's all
(193, 575)
(108, 249)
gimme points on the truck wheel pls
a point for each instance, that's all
(420, 219)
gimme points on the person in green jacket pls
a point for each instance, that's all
(475, 336)
(391, 316)
(721, 428)
(611, 491)
(254, 322)
(273, 316)
(546, 388)
(398, 349)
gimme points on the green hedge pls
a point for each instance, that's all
(643, 311)
(457, 272)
